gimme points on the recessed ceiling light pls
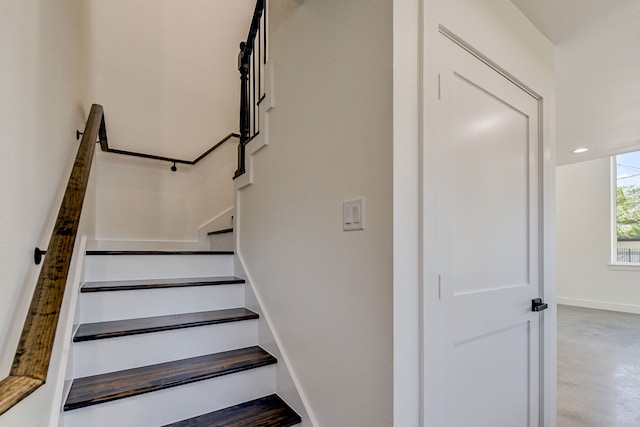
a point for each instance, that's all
(580, 150)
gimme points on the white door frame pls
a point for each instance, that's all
(522, 286)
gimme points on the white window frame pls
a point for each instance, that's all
(615, 264)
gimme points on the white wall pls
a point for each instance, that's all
(143, 200)
(166, 72)
(500, 32)
(43, 87)
(328, 293)
(584, 241)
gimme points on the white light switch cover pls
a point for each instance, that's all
(353, 214)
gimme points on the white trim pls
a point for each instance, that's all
(276, 337)
(600, 305)
(65, 331)
(483, 58)
(127, 241)
(624, 266)
(262, 139)
(220, 215)
(148, 244)
(407, 130)
(613, 188)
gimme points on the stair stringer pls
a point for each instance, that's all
(261, 140)
(219, 242)
(222, 220)
(288, 385)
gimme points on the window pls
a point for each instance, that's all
(627, 209)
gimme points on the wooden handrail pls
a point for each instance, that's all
(33, 355)
(253, 31)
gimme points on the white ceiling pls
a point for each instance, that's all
(597, 73)
(560, 20)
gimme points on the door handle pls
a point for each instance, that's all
(538, 305)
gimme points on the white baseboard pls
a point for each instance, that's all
(296, 396)
(600, 305)
(147, 245)
(61, 373)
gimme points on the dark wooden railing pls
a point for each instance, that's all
(251, 61)
(33, 355)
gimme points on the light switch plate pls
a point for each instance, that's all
(353, 214)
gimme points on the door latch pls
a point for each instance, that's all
(538, 305)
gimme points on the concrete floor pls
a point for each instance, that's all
(598, 368)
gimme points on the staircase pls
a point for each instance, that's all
(164, 339)
(221, 239)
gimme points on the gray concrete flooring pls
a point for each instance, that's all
(598, 368)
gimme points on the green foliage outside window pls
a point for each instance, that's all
(628, 212)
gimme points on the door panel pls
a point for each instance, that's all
(478, 362)
(488, 243)
(489, 192)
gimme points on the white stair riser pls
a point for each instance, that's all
(133, 267)
(115, 354)
(118, 305)
(176, 403)
(221, 242)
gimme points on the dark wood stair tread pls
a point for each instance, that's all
(160, 252)
(121, 328)
(131, 382)
(268, 411)
(223, 231)
(129, 285)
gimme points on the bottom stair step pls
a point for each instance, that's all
(268, 411)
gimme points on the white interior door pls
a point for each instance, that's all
(489, 245)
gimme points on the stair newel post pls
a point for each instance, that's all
(243, 68)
